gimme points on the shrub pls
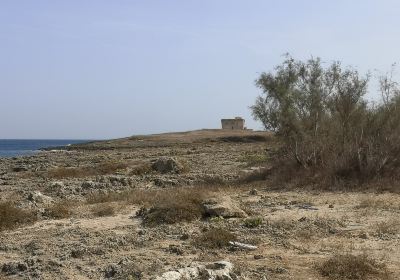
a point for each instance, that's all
(351, 267)
(391, 227)
(253, 222)
(141, 169)
(12, 217)
(326, 126)
(173, 207)
(215, 238)
(103, 210)
(60, 210)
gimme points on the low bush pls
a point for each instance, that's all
(181, 205)
(215, 238)
(253, 222)
(348, 266)
(60, 210)
(12, 217)
(103, 210)
(161, 206)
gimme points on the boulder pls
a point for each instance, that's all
(221, 270)
(223, 207)
(167, 165)
(39, 198)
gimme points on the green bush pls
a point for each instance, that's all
(325, 123)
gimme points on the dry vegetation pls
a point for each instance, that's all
(86, 171)
(124, 225)
(352, 267)
(12, 216)
(215, 238)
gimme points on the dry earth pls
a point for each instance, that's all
(294, 232)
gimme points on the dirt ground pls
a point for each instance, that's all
(294, 231)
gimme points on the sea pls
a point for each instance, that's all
(24, 147)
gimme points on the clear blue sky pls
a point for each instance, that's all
(105, 69)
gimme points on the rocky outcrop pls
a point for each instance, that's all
(223, 207)
(221, 270)
(168, 165)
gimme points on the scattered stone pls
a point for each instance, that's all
(258, 257)
(242, 245)
(221, 270)
(331, 206)
(13, 268)
(39, 198)
(20, 169)
(88, 185)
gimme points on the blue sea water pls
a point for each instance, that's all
(13, 148)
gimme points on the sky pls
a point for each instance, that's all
(98, 69)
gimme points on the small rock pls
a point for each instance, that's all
(253, 192)
(223, 207)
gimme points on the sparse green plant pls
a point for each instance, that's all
(253, 222)
(328, 129)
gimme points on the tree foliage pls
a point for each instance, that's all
(324, 121)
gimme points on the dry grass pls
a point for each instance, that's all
(391, 227)
(161, 206)
(350, 266)
(103, 210)
(182, 205)
(378, 203)
(253, 222)
(79, 172)
(60, 210)
(12, 217)
(215, 238)
(141, 169)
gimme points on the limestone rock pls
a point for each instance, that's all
(39, 198)
(167, 165)
(223, 207)
(221, 270)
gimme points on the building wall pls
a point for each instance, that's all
(232, 124)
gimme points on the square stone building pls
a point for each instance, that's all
(233, 124)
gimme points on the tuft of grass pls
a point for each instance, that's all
(160, 206)
(390, 227)
(104, 168)
(141, 169)
(171, 208)
(215, 238)
(350, 266)
(12, 217)
(103, 210)
(253, 159)
(253, 222)
(60, 210)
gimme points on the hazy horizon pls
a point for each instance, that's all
(109, 69)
